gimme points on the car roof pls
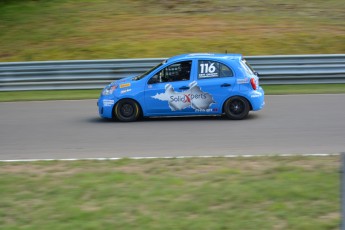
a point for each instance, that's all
(204, 55)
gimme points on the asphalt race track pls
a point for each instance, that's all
(294, 124)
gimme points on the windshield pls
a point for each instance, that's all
(141, 76)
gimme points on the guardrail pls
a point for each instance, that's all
(95, 74)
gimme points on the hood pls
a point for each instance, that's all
(122, 81)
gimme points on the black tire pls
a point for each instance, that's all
(236, 108)
(126, 110)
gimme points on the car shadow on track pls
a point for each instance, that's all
(174, 119)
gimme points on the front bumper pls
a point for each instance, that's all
(105, 106)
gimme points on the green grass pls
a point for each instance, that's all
(49, 95)
(75, 29)
(93, 94)
(196, 193)
(304, 89)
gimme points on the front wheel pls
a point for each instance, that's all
(126, 110)
(236, 108)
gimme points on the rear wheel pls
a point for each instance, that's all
(126, 110)
(236, 108)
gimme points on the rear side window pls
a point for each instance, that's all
(213, 69)
(247, 67)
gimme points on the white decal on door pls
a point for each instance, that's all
(194, 97)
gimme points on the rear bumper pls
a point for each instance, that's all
(257, 99)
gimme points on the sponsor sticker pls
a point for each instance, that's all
(243, 81)
(126, 91)
(108, 102)
(194, 98)
(205, 110)
(256, 94)
(125, 85)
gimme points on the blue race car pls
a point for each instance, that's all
(186, 85)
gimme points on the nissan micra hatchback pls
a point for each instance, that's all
(186, 85)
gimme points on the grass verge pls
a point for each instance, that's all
(304, 89)
(94, 93)
(196, 193)
(93, 29)
(49, 95)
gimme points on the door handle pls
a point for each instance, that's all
(184, 88)
(225, 85)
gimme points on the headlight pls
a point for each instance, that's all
(108, 90)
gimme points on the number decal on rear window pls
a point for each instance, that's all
(211, 69)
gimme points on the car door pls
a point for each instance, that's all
(166, 92)
(217, 79)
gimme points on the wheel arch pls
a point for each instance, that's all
(242, 96)
(141, 114)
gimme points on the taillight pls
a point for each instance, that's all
(253, 83)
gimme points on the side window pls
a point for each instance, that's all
(213, 69)
(247, 67)
(179, 71)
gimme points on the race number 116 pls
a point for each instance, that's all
(206, 68)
